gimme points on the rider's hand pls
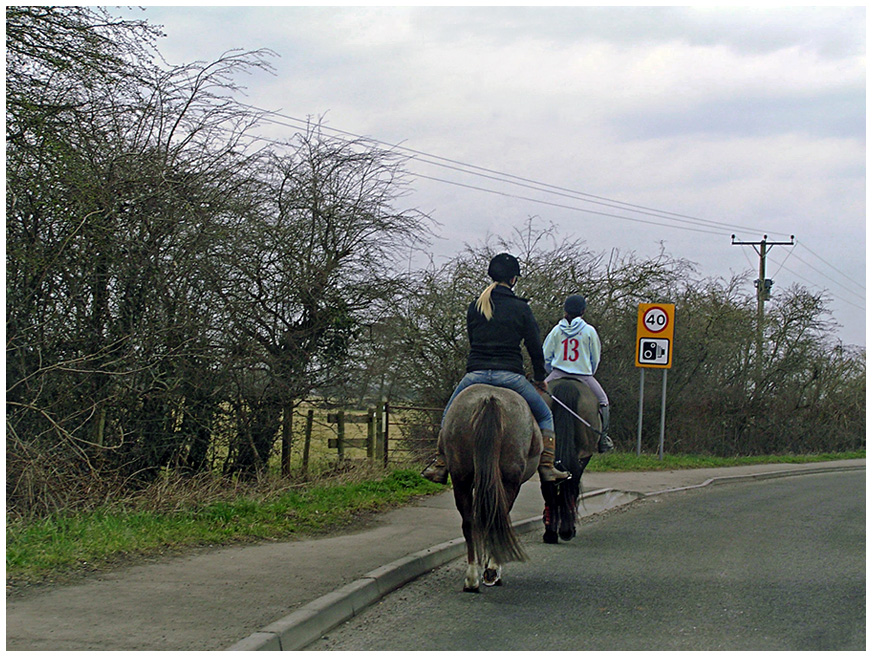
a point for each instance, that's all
(541, 385)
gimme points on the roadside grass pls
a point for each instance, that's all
(65, 544)
(177, 514)
(629, 462)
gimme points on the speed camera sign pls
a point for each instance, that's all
(654, 335)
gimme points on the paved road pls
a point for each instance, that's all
(766, 565)
(212, 599)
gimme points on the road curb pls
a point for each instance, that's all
(318, 617)
(314, 619)
(774, 474)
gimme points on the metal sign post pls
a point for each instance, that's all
(655, 331)
(663, 413)
(641, 404)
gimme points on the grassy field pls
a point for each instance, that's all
(178, 514)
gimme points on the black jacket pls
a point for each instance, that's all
(496, 344)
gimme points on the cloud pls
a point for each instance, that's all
(746, 116)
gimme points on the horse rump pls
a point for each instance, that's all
(492, 531)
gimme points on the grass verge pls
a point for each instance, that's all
(62, 545)
(629, 462)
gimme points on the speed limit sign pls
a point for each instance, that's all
(656, 319)
(654, 333)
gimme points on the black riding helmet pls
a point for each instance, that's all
(503, 268)
(575, 305)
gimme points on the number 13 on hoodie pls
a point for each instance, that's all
(572, 347)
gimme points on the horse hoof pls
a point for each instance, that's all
(491, 577)
(469, 589)
(567, 536)
(550, 537)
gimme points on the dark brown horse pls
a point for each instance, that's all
(575, 444)
(491, 444)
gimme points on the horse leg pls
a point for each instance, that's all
(567, 520)
(570, 512)
(567, 511)
(472, 579)
(493, 573)
(463, 501)
(549, 515)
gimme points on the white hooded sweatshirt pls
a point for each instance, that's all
(572, 347)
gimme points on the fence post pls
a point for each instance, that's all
(370, 433)
(387, 427)
(287, 436)
(307, 441)
(379, 424)
(340, 434)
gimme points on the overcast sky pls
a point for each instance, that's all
(692, 124)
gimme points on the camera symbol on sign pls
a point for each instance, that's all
(654, 351)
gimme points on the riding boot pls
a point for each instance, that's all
(605, 443)
(437, 471)
(547, 471)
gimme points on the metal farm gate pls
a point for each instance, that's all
(411, 432)
(395, 433)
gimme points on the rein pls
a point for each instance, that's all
(574, 414)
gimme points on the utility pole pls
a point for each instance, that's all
(764, 287)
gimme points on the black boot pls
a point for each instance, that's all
(605, 443)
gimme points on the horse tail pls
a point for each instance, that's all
(566, 427)
(492, 529)
(568, 440)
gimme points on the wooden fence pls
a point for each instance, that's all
(394, 433)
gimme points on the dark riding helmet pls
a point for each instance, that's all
(575, 305)
(503, 268)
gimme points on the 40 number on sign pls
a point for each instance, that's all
(656, 320)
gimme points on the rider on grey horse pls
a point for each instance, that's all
(497, 323)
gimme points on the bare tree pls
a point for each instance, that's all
(120, 177)
(313, 266)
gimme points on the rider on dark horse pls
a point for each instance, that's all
(496, 324)
(572, 350)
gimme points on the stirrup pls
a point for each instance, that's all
(438, 475)
(554, 478)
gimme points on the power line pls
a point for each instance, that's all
(835, 296)
(534, 200)
(512, 179)
(618, 205)
(502, 177)
(848, 278)
(789, 253)
(564, 206)
(829, 279)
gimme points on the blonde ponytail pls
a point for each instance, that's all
(484, 305)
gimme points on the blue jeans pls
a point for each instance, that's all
(512, 381)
